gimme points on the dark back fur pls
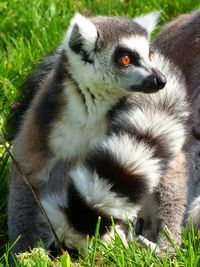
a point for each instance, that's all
(27, 92)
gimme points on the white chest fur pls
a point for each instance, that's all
(79, 127)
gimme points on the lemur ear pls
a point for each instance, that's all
(148, 21)
(81, 34)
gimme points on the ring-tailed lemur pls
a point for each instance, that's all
(176, 34)
(97, 136)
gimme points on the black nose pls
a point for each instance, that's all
(159, 79)
(153, 82)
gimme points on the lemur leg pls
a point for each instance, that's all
(171, 199)
(171, 195)
(25, 219)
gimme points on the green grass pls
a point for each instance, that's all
(28, 31)
(117, 254)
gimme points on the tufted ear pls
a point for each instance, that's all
(148, 21)
(81, 34)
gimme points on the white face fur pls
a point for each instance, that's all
(94, 59)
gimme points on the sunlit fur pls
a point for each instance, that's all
(95, 139)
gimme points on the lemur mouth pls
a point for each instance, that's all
(145, 89)
(151, 90)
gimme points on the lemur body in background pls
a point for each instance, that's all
(179, 41)
(98, 134)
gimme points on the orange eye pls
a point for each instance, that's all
(150, 56)
(125, 60)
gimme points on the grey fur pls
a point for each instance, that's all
(86, 106)
(183, 33)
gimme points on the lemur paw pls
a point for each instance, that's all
(157, 248)
(145, 243)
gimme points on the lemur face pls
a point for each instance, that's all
(133, 66)
(113, 53)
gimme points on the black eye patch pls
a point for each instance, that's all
(121, 50)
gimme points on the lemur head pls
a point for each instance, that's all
(113, 52)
